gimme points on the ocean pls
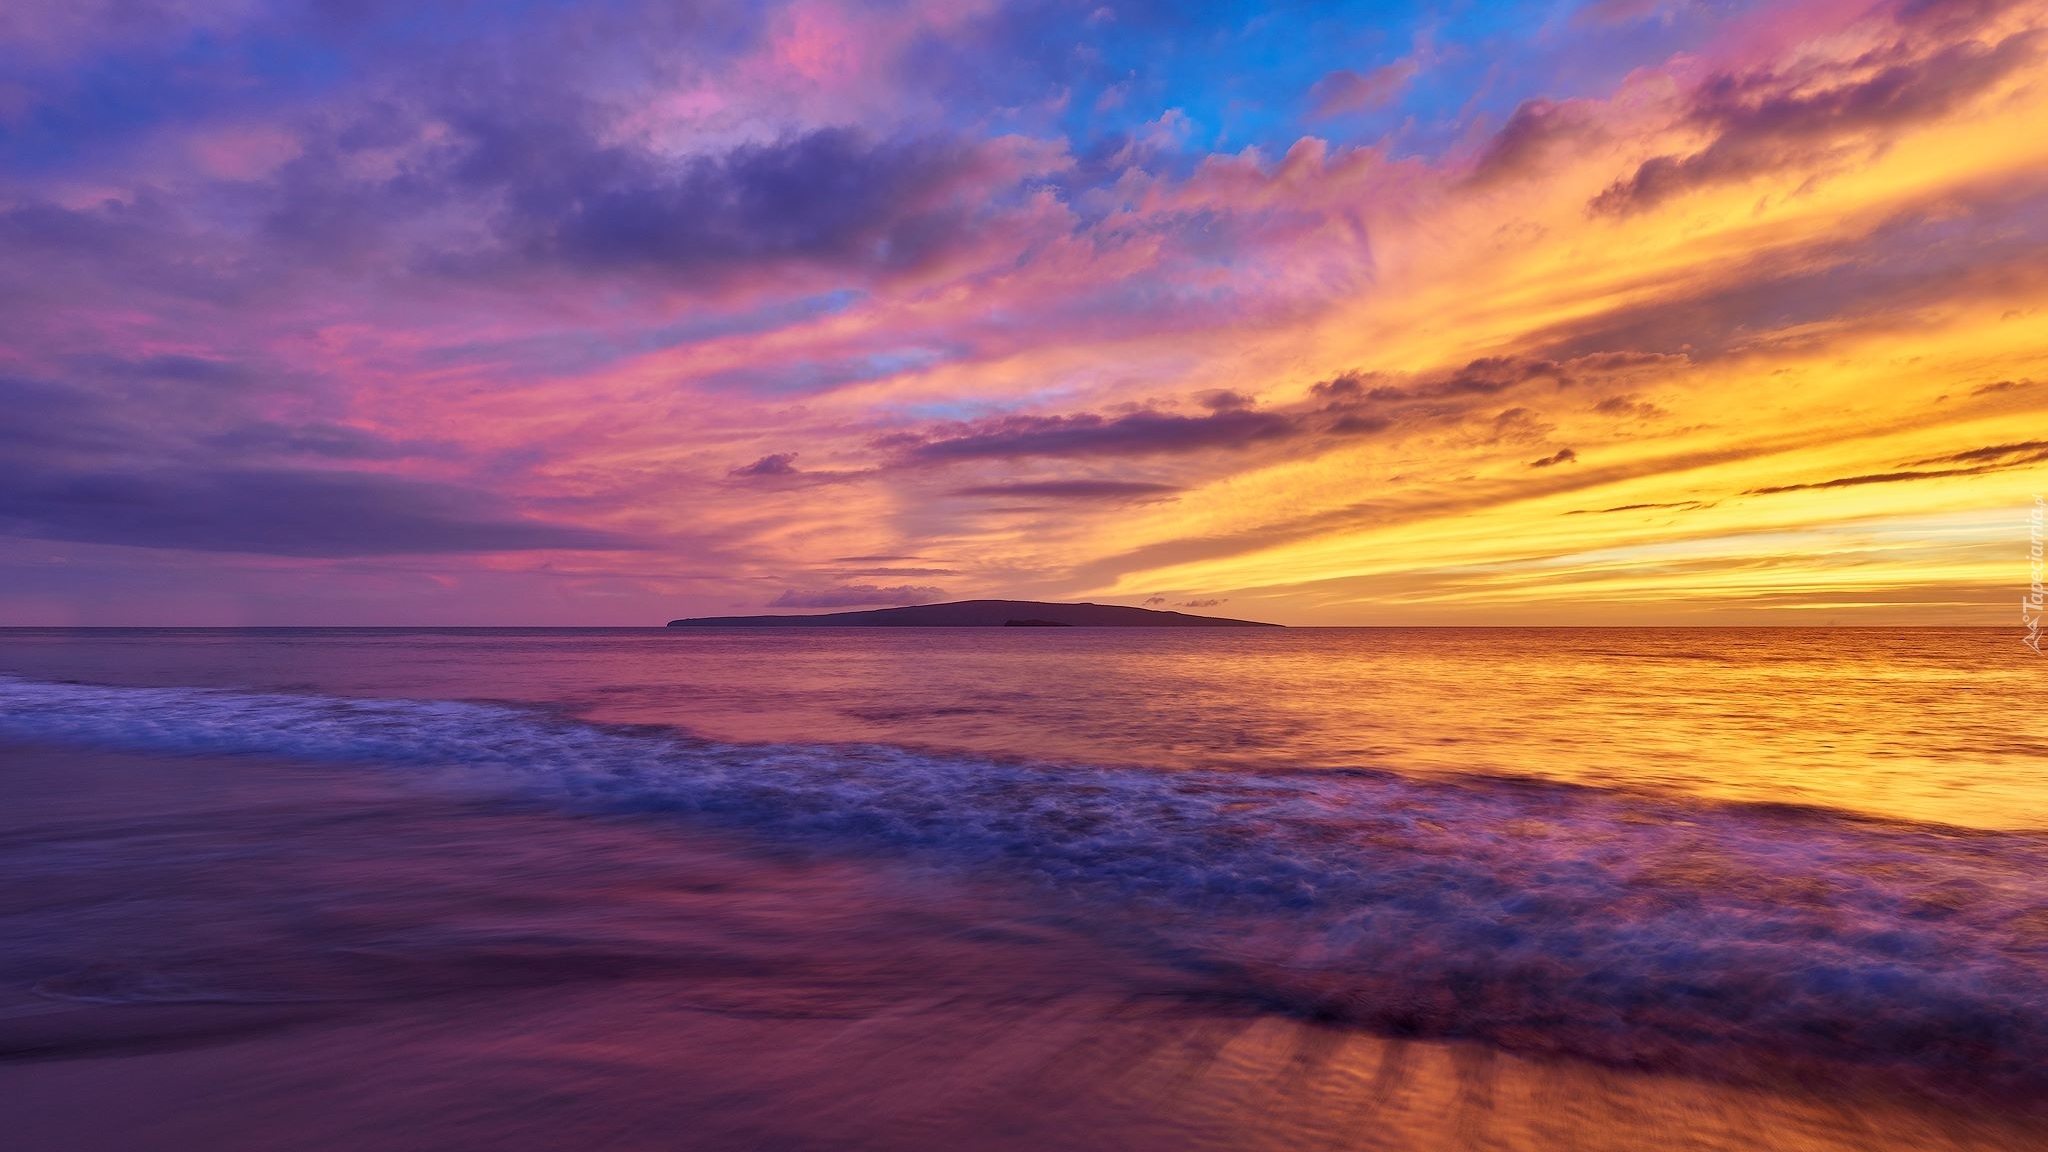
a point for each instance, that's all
(1116, 888)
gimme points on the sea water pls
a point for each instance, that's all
(1811, 863)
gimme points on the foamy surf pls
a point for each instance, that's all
(1605, 925)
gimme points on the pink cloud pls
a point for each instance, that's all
(243, 153)
(1345, 91)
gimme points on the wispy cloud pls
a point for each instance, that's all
(857, 595)
(626, 311)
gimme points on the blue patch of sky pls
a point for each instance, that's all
(1242, 73)
(963, 410)
(87, 107)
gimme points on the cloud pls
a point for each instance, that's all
(1623, 11)
(323, 440)
(1223, 399)
(575, 254)
(278, 512)
(1985, 240)
(810, 376)
(1519, 426)
(1976, 461)
(773, 464)
(1089, 434)
(180, 369)
(779, 469)
(1882, 478)
(1487, 376)
(1210, 603)
(1764, 120)
(1347, 91)
(832, 197)
(1682, 504)
(1362, 403)
(1561, 456)
(1531, 134)
(2001, 386)
(503, 158)
(855, 595)
(1073, 489)
(2007, 455)
(1346, 406)
(1629, 406)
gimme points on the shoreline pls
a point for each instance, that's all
(412, 959)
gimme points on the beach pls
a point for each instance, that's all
(243, 954)
(247, 911)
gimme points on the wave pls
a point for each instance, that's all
(1619, 927)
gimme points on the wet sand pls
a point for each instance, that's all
(230, 953)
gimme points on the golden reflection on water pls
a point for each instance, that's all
(1941, 725)
(1944, 726)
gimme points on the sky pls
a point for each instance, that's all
(1658, 312)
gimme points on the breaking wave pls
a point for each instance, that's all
(1620, 927)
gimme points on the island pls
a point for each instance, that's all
(981, 614)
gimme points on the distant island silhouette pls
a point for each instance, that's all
(981, 614)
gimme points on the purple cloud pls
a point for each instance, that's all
(1073, 489)
(856, 595)
(1090, 434)
(773, 464)
(833, 197)
(1764, 121)
(277, 512)
(1628, 406)
(1347, 91)
(1535, 129)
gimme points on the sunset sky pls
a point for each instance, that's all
(1632, 311)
